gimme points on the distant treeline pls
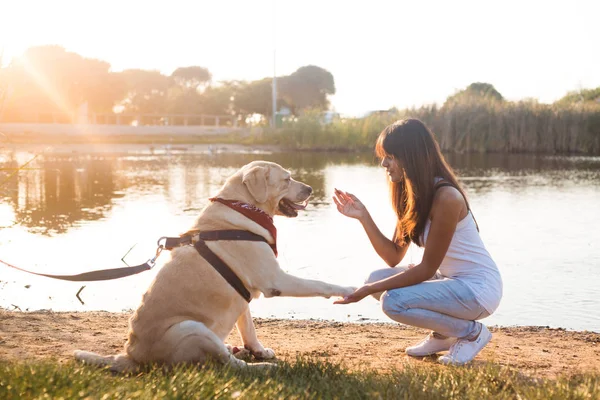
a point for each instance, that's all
(50, 84)
(49, 81)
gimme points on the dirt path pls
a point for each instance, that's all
(535, 351)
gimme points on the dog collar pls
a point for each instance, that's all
(255, 214)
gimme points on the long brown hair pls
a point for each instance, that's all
(414, 146)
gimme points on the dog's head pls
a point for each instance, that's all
(273, 188)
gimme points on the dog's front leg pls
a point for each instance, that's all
(289, 285)
(245, 327)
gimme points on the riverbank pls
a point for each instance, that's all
(63, 134)
(467, 126)
(534, 351)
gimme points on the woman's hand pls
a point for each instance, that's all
(358, 295)
(349, 205)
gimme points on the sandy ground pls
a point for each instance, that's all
(535, 351)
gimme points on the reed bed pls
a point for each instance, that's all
(465, 126)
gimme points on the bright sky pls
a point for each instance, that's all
(381, 53)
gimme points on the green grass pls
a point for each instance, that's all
(302, 380)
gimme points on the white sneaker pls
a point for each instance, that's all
(430, 345)
(465, 350)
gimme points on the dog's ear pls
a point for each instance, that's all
(255, 180)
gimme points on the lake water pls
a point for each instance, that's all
(79, 208)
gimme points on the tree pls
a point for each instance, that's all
(307, 87)
(147, 91)
(185, 97)
(476, 91)
(107, 93)
(581, 96)
(99, 87)
(219, 100)
(53, 81)
(182, 101)
(254, 98)
(194, 78)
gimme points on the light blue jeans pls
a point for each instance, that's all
(444, 305)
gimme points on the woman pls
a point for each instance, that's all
(457, 282)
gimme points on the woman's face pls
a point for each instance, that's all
(393, 168)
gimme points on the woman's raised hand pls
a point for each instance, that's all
(349, 205)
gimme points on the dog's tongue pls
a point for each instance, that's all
(300, 206)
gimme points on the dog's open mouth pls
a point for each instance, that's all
(290, 209)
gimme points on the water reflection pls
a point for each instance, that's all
(485, 173)
(63, 190)
(59, 191)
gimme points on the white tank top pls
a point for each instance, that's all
(468, 260)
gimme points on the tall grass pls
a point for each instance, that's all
(302, 380)
(463, 126)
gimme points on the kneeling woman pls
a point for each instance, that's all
(457, 282)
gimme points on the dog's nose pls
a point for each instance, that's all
(308, 189)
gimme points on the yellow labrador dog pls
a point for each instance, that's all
(190, 309)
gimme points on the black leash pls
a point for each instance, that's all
(99, 275)
(197, 239)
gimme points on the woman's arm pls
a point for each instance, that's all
(389, 251)
(350, 206)
(447, 210)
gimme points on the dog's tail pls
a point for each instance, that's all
(118, 363)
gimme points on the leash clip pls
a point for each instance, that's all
(162, 242)
(151, 262)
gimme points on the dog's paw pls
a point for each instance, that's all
(264, 354)
(232, 349)
(260, 353)
(348, 291)
(242, 354)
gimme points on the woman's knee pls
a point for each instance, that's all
(376, 275)
(484, 314)
(380, 274)
(392, 304)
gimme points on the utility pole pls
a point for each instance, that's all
(3, 89)
(274, 86)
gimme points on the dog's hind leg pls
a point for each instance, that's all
(192, 342)
(119, 363)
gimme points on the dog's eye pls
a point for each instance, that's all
(288, 179)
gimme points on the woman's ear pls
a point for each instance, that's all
(255, 180)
